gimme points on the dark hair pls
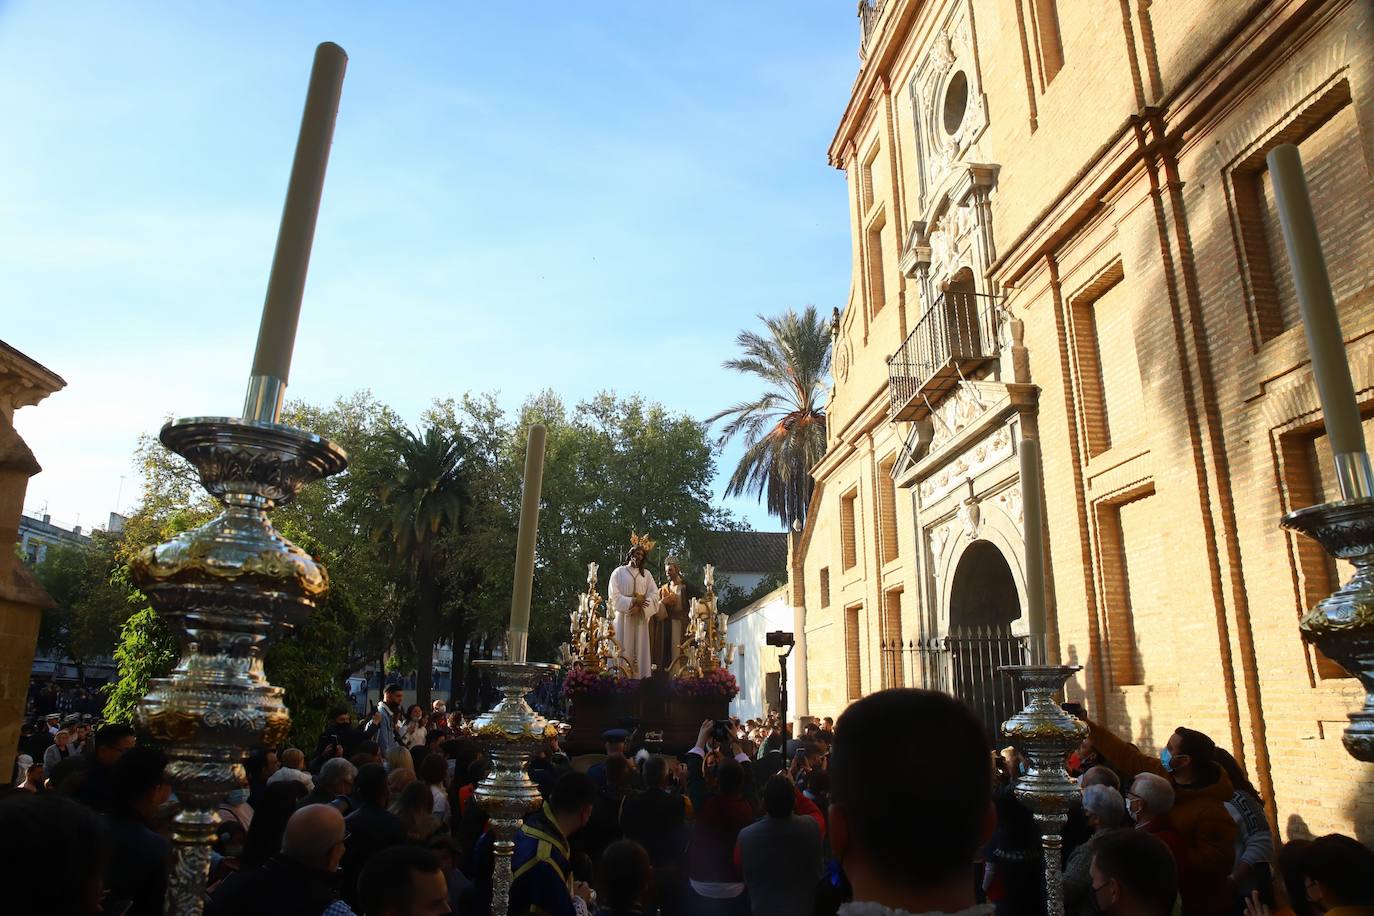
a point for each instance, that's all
(257, 760)
(917, 816)
(52, 844)
(1343, 865)
(366, 746)
(779, 797)
(573, 792)
(825, 735)
(655, 772)
(1289, 864)
(622, 876)
(340, 710)
(110, 735)
(433, 769)
(417, 795)
(273, 809)
(617, 771)
(1141, 863)
(66, 776)
(393, 688)
(387, 880)
(730, 777)
(1239, 781)
(1198, 746)
(137, 773)
(370, 784)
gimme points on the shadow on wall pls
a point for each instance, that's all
(1359, 809)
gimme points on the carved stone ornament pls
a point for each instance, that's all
(970, 516)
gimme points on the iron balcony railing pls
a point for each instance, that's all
(869, 11)
(956, 335)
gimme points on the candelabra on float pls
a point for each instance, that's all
(1047, 733)
(511, 732)
(704, 649)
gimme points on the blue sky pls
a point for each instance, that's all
(520, 196)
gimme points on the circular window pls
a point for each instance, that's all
(956, 100)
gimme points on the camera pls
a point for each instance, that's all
(779, 638)
(721, 731)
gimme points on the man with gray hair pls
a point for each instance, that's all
(300, 879)
(334, 785)
(1149, 801)
(1104, 812)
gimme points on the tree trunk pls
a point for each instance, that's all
(426, 614)
(456, 674)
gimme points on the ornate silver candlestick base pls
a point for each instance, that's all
(511, 732)
(1342, 625)
(223, 588)
(1047, 733)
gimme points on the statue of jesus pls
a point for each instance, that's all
(634, 598)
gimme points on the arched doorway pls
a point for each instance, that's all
(983, 603)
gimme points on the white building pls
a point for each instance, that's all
(756, 663)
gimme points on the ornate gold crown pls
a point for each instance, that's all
(642, 541)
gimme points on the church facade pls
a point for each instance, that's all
(1063, 229)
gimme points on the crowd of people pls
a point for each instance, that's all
(901, 807)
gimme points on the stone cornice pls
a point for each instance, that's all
(897, 19)
(24, 381)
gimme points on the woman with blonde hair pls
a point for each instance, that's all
(398, 758)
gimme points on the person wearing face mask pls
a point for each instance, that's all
(1133, 875)
(1104, 812)
(301, 879)
(1148, 802)
(235, 808)
(1201, 790)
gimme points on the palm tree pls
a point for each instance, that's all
(784, 428)
(425, 494)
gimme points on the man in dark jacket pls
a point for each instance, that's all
(370, 829)
(781, 854)
(299, 881)
(656, 819)
(139, 856)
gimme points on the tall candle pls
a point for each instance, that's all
(286, 285)
(1034, 528)
(524, 543)
(1320, 322)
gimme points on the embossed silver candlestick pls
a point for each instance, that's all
(224, 588)
(1047, 733)
(1342, 624)
(511, 732)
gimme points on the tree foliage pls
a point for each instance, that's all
(783, 428)
(146, 650)
(92, 603)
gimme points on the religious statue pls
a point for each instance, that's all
(675, 597)
(633, 597)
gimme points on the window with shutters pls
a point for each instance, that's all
(887, 511)
(849, 545)
(853, 672)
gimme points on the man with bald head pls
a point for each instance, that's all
(301, 879)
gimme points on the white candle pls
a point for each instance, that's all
(524, 544)
(1033, 526)
(1320, 321)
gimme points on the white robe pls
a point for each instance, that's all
(631, 627)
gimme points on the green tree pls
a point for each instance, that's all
(92, 603)
(146, 650)
(424, 495)
(783, 428)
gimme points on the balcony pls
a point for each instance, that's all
(869, 11)
(956, 336)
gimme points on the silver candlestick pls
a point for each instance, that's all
(511, 732)
(1047, 733)
(225, 588)
(1342, 624)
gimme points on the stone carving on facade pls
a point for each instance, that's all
(939, 540)
(970, 516)
(968, 464)
(1009, 500)
(950, 53)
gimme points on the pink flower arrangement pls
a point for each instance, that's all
(718, 683)
(579, 682)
